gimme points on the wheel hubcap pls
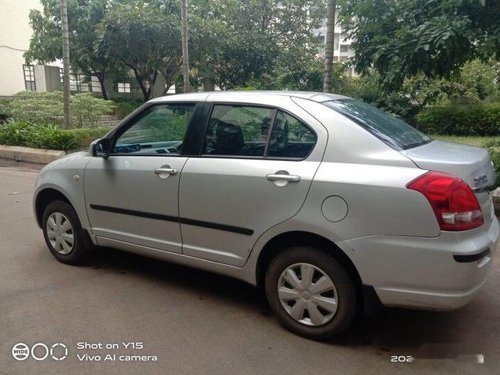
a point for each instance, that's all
(307, 294)
(60, 233)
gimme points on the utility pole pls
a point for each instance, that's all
(185, 52)
(329, 41)
(65, 38)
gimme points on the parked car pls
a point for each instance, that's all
(320, 199)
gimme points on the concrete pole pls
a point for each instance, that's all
(185, 51)
(65, 38)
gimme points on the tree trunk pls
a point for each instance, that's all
(101, 78)
(65, 39)
(169, 81)
(329, 42)
(208, 84)
(138, 78)
(152, 81)
(185, 51)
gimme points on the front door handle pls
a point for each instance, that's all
(283, 177)
(165, 171)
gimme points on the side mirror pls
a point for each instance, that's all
(101, 148)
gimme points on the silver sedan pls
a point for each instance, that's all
(319, 199)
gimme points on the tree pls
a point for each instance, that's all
(89, 53)
(400, 38)
(237, 42)
(329, 41)
(145, 37)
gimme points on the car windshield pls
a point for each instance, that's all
(393, 131)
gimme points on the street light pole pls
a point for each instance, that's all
(185, 51)
(65, 38)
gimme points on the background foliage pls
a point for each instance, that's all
(23, 133)
(401, 38)
(47, 108)
(481, 119)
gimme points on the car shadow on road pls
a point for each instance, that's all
(200, 283)
(391, 330)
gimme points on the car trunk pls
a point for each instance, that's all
(472, 164)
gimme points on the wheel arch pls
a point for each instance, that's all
(44, 198)
(300, 238)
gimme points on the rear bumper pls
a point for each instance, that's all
(441, 273)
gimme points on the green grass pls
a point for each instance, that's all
(474, 141)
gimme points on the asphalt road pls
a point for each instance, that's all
(199, 323)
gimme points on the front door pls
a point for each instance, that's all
(132, 196)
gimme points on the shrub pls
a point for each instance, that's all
(47, 108)
(482, 119)
(38, 107)
(4, 109)
(124, 107)
(494, 150)
(22, 133)
(51, 137)
(15, 133)
(85, 136)
(86, 110)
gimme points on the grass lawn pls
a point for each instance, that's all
(474, 141)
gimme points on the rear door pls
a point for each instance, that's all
(254, 171)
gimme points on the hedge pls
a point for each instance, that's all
(494, 149)
(482, 119)
(47, 108)
(23, 133)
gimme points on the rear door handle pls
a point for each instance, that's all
(283, 177)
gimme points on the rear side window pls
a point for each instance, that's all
(391, 130)
(238, 130)
(290, 138)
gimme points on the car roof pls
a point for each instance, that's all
(226, 95)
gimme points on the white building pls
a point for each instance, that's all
(15, 33)
(342, 45)
(15, 75)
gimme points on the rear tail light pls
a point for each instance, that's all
(453, 201)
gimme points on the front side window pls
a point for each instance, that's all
(159, 130)
(237, 130)
(391, 130)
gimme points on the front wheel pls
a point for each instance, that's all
(64, 235)
(310, 292)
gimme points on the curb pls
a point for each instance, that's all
(27, 154)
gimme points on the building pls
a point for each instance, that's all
(342, 45)
(15, 75)
(15, 33)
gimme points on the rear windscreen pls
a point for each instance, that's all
(393, 131)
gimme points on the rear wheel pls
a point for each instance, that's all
(310, 292)
(64, 235)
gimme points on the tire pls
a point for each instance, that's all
(301, 273)
(60, 223)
